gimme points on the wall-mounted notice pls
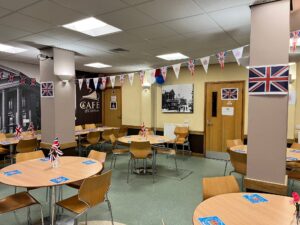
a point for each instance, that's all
(227, 111)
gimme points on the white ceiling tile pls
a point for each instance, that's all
(193, 24)
(16, 4)
(135, 2)
(25, 23)
(65, 35)
(36, 39)
(96, 44)
(9, 33)
(53, 13)
(127, 19)
(93, 7)
(213, 5)
(153, 31)
(165, 10)
(236, 21)
(4, 12)
(121, 39)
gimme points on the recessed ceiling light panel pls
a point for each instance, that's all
(11, 49)
(173, 56)
(92, 26)
(97, 65)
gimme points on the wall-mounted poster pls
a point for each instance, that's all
(47, 89)
(113, 103)
(230, 94)
(178, 98)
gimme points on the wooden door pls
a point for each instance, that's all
(113, 107)
(224, 114)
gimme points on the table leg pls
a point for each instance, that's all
(52, 205)
(11, 149)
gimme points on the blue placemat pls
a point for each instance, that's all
(296, 150)
(88, 162)
(12, 172)
(255, 198)
(44, 159)
(212, 220)
(59, 180)
(291, 159)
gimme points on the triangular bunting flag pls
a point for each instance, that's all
(103, 82)
(142, 75)
(238, 53)
(131, 77)
(122, 79)
(221, 58)
(295, 37)
(96, 80)
(205, 63)
(80, 82)
(112, 81)
(11, 77)
(176, 68)
(152, 76)
(164, 71)
(191, 66)
(32, 82)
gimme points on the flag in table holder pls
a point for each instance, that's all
(212, 220)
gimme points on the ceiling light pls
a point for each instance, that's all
(92, 26)
(97, 65)
(172, 56)
(11, 49)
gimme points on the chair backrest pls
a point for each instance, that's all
(27, 145)
(93, 189)
(106, 134)
(122, 132)
(212, 186)
(239, 162)
(99, 156)
(181, 134)
(2, 136)
(27, 134)
(232, 143)
(113, 140)
(295, 145)
(21, 157)
(90, 126)
(93, 137)
(140, 149)
(78, 128)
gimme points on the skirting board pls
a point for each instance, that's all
(267, 187)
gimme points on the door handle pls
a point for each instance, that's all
(209, 123)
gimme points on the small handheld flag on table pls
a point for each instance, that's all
(31, 128)
(143, 130)
(55, 151)
(19, 131)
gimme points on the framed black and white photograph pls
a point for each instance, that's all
(178, 98)
(230, 94)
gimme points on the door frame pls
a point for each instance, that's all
(103, 103)
(243, 107)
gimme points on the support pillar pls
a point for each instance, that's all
(18, 107)
(268, 115)
(3, 111)
(58, 112)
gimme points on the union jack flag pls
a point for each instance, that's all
(47, 89)
(55, 151)
(32, 82)
(22, 80)
(31, 128)
(191, 66)
(19, 131)
(230, 93)
(143, 130)
(221, 58)
(11, 77)
(295, 37)
(269, 80)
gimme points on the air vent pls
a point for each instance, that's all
(118, 50)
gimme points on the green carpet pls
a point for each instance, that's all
(140, 202)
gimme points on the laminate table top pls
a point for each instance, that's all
(291, 154)
(153, 139)
(86, 131)
(39, 172)
(234, 209)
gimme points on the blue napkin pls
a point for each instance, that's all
(88, 162)
(291, 159)
(212, 220)
(255, 198)
(59, 180)
(12, 172)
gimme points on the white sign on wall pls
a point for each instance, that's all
(227, 111)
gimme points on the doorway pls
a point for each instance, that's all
(224, 114)
(113, 107)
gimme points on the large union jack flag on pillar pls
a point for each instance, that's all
(269, 80)
(47, 89)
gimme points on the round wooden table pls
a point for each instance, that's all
(291, 154)
(234, 209)
(39, 173)
(153, 139)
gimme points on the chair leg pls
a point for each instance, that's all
(129, 164)
(86, 219)
(153, 172)
(112, 160)
(175, 164)
(15, 190)
(115, 161)
(28, 216)
(225, 167)
(110, 210)
(42, 214)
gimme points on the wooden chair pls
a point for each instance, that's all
(21, 157)
(3, 151)
(116, 151)
(239, 163)
(27, 145)
(78, 128)
(106, 135)
(293, 165)
(19, 201)
(93, 138)
(90, 126)
(293, 168)
(168, 152)
(140, 150)
(182, 138)
(212, 186)
(230, 144)
(96, 155)
(93, 191)
(122, 132)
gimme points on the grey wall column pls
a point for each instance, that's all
(18, 107)
(3, 111)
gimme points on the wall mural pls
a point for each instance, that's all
(178, 98)
(20, 100)
(88, 102)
